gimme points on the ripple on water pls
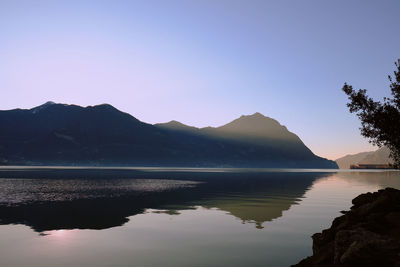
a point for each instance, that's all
(19, 191)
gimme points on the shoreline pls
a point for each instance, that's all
(366, 235)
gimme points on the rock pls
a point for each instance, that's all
(367, 235)
(362, 199)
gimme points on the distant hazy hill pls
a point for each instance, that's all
(346, 161)
(56, 134)
(380, 156)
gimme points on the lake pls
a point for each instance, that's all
(70, 216)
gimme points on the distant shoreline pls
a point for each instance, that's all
(179, 168)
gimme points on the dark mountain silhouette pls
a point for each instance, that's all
(254, 130)
(59, 134)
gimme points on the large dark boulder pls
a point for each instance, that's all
(367, 235)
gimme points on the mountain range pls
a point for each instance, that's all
(379, 156)
(61, 134)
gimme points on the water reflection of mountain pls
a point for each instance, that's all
(102, 199)
(254, 209)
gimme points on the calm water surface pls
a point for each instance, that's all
(171, 217)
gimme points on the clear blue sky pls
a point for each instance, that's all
(204, 62)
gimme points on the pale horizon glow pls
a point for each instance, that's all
(204, 63)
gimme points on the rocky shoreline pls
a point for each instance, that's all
(367, 235)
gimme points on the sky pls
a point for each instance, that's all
(204, 63)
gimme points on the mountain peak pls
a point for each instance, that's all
(104, 106)
(174, 122)
(257, 114)
(258, 125)
(43, 106)
(256, 117)
(48, 103)
(175, 125)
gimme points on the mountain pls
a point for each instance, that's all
(177, 126)
(253, 130)
(380, 156)
(346, 161)
(60, 134)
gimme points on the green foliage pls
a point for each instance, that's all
(380, 121)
